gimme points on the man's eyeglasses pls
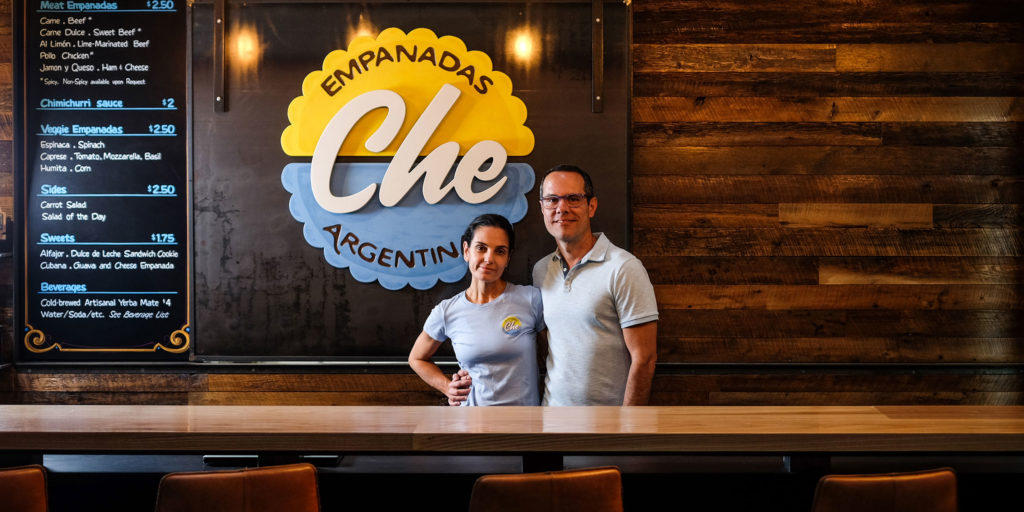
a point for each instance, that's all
(573, 200)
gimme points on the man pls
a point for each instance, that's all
(599, 304)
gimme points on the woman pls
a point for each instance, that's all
(493, 326)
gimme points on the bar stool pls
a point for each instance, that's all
(290, 487)
(919, 491)
(593, 490)
(23, 489)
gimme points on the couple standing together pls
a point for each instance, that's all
(594, 300)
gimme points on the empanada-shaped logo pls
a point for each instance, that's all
(444, 124)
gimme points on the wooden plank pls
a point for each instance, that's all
(954, 134)
(881, 271)
(6, 379)
(73, 382)
(882, 397)
(755, 134)
(978, 216)
(966, 324)
(835, 323)
(6, 280)
(5, 24)
(316, 398)
(825, 398)
(865, 379)
(751, 324)
(717, 270)
(680, 28)
(843, 381)
(7, 158)
(930, 57)
(6, 126)
(7, 186)
(679, 396)
(896, 216)
(840, 297)
(6, 47)
(734, 57)
(706, 216)
(796, 159)
(827, 109)
(741, 83)
(828, 242)
(852, 214)
(664, 394)
(801, 21)
(968, 189)
(916, 109)
(224, 383)
(809, 11)
(315, 382)
(6, 97)
(810, 58)
(902, 350)
(101, 398)
(960, 350)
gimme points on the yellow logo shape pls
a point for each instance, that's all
(511, 325)
(415, 66)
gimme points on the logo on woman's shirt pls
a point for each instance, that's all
(511, 325)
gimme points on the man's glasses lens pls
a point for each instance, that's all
(573, 200)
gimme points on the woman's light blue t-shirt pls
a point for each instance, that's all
(495, 342)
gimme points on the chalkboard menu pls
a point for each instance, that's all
(105, 237)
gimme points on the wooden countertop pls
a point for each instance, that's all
(127, 428)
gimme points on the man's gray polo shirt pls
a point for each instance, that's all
(585, 311)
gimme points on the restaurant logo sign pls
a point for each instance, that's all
(432, 126)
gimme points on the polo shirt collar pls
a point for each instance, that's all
(600, 249)
(597, 253)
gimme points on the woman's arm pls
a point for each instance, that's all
(456, 388)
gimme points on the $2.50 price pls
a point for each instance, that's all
(162, 129)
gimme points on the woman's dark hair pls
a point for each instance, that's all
(491, 220)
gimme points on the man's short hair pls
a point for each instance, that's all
(588, 185)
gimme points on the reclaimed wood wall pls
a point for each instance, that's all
(827, 196)
(829, 193)
(6, 193)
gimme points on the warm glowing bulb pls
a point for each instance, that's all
(364, 28)
(245, 49)
(523, 46)
(245, 46)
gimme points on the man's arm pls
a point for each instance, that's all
(642, 343)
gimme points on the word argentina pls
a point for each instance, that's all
(369, 252)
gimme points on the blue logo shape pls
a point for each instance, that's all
(412, 243)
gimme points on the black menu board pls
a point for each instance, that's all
(105, 236)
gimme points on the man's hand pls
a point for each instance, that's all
(458, 388)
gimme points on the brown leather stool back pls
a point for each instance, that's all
(289, 488)
(921, 491)
(23, 489)
(592, 490)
